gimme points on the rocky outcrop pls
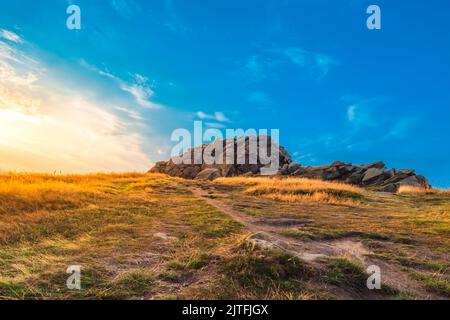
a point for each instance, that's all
(234, 161)
(374, 175)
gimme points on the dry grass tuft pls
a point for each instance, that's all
(31, 192)
(416, 190)
(299, 190)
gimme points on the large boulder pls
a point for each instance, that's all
(411, 181)
(376, 165)
(331, 173)
(355, 178)
(208, 174)
(373, 175)
(230, 157)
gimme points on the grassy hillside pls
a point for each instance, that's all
(150, 236)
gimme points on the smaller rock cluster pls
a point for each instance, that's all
(370, 175)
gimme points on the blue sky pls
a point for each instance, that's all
(108, 96)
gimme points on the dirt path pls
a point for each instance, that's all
(247, 221)
(265, 233)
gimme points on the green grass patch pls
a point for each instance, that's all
(263, 274)
(210, 222)
(135, 283)
(343, 272)
(434, 283)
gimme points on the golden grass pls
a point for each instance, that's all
(298, 190)
(32, 192)
(416, 190)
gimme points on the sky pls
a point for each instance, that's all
(108, 96)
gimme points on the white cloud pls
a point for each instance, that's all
(138, 88)
(130, 113)
(221, 117)
(9, 53)
(351, 113)
(161, 152)
(13, 77)
(99, 71)
(215, 125)
(316, 64)
(217, 116)
(141, 94)
(11, 36)
(364, 112)
(201, 115)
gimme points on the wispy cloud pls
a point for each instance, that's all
(217, 116)
(142, 94)
(365, 112)
(255, 69)
(216, 120)
(97, 70)
(316, 64)
(125, 8)
(173, 20)
(372, 124)
(9, 52)
(139, 87)
(215, 125)
(133, 114)
(351, 113)
(367, 126)
(313, 65)
(14, 77)
(402, 128)
(360, 115)
(10, 35)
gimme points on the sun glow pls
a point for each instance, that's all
(47, 127)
